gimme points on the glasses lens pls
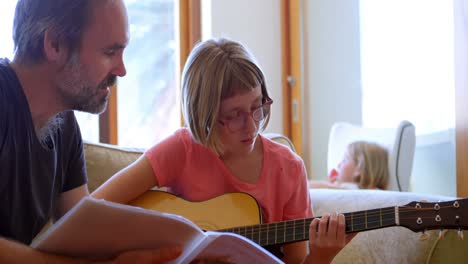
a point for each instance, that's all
(258, 114)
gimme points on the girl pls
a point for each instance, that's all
(364, 166)
(226, 105)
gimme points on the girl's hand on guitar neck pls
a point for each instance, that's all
(327, 237)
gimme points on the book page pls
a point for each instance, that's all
(98, 229)
(230, 248)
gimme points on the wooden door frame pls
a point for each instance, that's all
(292, 67)
(461, 98)
(190, 27)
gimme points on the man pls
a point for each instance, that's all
(67, 54)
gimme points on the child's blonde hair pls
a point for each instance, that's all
(216, 69)
(372, 162)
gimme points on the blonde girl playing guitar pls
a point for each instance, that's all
(226, 105)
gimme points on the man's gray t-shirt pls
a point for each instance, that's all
(32, 176)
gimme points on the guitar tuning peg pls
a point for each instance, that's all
(460, 233)
(441, 233)
(424, 236)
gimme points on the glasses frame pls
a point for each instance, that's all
(244, 115)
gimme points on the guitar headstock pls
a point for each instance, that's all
(420, 216)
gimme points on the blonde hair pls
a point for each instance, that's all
(216, 69)
(372, 162)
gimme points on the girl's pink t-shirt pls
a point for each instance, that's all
(196, 173)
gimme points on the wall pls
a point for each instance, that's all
(434, 164)
(332, 75)
(256, 24)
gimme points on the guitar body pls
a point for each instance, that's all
(222, 212)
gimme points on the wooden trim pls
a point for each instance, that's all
(190, 30)
(108, 120)
(285, 69)
(292, 66)
(190, 27)
(296, 71)
(461, 142)
(461, 97)
(195, 22)
(184, 34)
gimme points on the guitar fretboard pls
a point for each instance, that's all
(298, 230)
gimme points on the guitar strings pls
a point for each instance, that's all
(355, 216)
(300, 231)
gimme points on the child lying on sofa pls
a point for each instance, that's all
(364, 166)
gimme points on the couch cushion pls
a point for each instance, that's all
(387, 245)
(104, 160)
(450, 249)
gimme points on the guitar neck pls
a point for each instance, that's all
(298, 230)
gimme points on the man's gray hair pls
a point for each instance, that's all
(66, 19)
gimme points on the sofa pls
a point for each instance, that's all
(386, 245)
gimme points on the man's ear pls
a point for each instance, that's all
(53, 49)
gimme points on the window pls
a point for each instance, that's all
(7, 12)
(148, 107)
(407, 56)
(147, 97)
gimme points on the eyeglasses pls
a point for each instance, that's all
(258, 114)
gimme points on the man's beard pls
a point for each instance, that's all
(76, 90)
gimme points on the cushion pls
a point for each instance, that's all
(280, 139)
(387, 245)
(104, 160)
(450, 249)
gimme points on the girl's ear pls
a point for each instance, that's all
(357, 178)
(357, 174)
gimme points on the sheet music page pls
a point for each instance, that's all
(99, 229)
(231, 248)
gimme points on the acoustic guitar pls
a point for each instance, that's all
(240, 213)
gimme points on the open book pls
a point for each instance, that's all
(98, 229)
